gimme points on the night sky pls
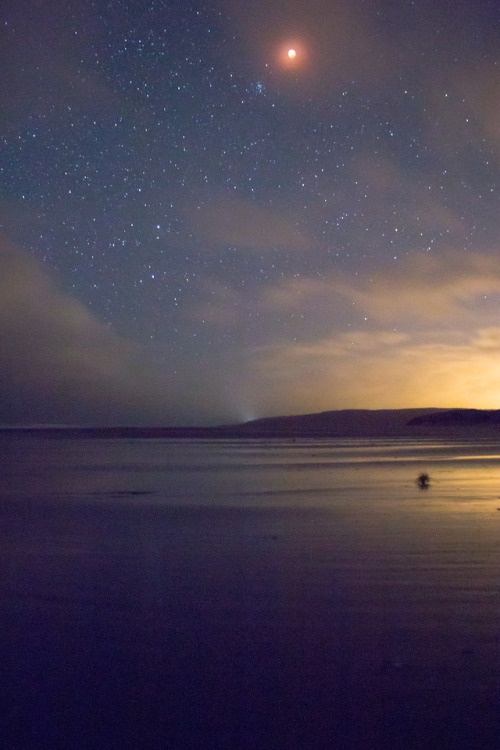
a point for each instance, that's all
(199, 228)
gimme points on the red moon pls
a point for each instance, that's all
(291, 54)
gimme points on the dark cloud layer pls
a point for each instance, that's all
(61, 364)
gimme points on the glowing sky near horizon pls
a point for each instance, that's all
(198, 226)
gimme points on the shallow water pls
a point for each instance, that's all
(249, 594)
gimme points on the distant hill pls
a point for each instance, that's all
(346, 423)
(458, 418)
(384, 423)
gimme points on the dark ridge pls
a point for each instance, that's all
(345, 423)
(458, 417)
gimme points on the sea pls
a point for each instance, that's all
(249, 594)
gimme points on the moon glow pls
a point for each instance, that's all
(291, 54)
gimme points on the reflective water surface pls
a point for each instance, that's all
(249, 594)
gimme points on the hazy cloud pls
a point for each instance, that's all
(379, 370)
(242, 223)
(214, 303)
(423, 332)
(432, 288)
(59, 362)
(481, 89)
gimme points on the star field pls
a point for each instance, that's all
(250, 234)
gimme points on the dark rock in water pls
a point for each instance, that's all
(423, 481)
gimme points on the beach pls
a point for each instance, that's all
(249, 594)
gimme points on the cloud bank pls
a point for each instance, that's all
(60, 364)
(421, 333)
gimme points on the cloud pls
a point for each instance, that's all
(480, 87)
(378, 370)
(422, 289)
(389, 184)
(420, 333)
(240, 223)
(452, 293)
(214, 303)
(432, 288)
(60, 363)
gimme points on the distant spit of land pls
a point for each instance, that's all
(346, 423)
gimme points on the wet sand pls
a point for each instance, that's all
(318, 600)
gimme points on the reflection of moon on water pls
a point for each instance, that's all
(292, 53)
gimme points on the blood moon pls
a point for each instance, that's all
(291, 54)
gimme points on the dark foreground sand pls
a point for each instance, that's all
(333, 624)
